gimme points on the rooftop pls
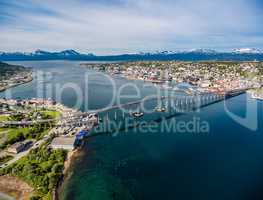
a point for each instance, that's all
(63, 141)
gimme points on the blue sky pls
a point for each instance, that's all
(126, 26)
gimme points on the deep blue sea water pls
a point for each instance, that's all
(225, 163)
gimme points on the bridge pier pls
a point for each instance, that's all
(115, 115)
(178, 104)
(123, 114)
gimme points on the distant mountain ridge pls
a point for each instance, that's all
(243, 54)
(248, 50)
(44, 55)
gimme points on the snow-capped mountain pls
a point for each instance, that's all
(247, 50)
(205, 51)
(197, 51)
(40, 52)
(167, 52)
(244, 54)
(209, 51)
(69, 52)
(44, 55)
(158, 53)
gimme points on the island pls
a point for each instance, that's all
(13, 75)
(208, 76)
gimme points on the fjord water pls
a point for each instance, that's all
(224, 163)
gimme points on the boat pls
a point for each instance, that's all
(137, 114)
(160, 109)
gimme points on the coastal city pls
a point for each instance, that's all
(218, 77)
(131, 100)
(47, 135)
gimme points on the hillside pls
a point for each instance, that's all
(7, 70)
(13, 75)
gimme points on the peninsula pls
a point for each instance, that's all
(13, 75)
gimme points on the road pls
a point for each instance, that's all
(25, 153)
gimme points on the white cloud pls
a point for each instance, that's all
(133, 25)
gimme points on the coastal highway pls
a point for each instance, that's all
(16, 158)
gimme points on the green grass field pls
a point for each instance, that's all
(3, 118)
(52, 113)
(11, 135)
(14, 135)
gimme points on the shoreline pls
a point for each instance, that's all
(71, 156)
(257, 95)
(14, 188)
(30, 79)
(4, 196)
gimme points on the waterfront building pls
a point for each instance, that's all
(67, 143)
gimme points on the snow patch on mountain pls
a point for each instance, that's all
(203, 51)
(247, 50)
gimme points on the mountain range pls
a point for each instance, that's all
(191, 55)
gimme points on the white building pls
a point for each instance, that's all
(67, 143)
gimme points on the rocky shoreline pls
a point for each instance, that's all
(14, 187)
(72, 155)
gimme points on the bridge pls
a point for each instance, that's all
(164, 107)
(178, 100)
(169, 105)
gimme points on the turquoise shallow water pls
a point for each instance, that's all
(224, 163)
